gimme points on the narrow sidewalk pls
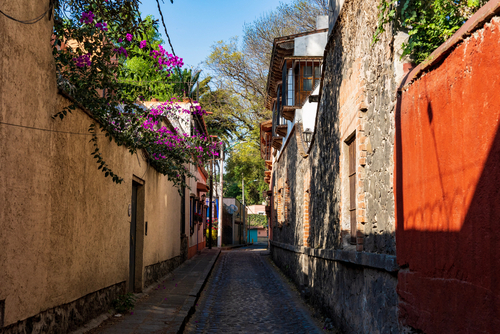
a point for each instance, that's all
(166, 307)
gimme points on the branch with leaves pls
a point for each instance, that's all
(91, 43)
(429, 23)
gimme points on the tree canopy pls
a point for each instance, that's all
(239, 69)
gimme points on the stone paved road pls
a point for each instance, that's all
(246, 295)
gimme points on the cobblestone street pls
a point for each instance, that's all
(245, 294)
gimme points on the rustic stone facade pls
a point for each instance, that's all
(154, 272)
(356, 106)
(69, 317)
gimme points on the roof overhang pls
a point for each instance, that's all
(282, 47)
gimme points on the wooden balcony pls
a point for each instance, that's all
(269, 164)
(288, 112)
(282, 130)
(277, 142)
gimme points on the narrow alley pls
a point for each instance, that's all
(265, 166)
(246, 294)
(229, 291)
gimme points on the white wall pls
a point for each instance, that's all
(335, 6)
(322, 22)
(309, 112)
(310, 45)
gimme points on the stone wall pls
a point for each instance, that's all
(69, 317)
(357, 296)
(358, 97)
(357, 102)
(154, 272)
(288, 174)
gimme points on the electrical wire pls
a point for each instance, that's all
(165, 27)
(32, 21)
(47, 130)
(168, 37)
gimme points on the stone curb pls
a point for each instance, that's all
(185, 312)
(188, 307)
(236, 246)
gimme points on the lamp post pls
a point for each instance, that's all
(243, 213)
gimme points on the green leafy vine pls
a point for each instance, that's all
(429, 23)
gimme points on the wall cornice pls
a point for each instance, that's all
(371, 260)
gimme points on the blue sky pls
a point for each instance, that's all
(194, 25)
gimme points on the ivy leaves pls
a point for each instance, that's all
(429, 23)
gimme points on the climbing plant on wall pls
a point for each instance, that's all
(91, 42)
(429, 23)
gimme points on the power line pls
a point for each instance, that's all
(168, 36)
(165, 27)
(46, 130)
(32, 21)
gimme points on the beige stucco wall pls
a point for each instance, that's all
(64, 228)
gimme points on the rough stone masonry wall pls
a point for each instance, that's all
(69, 317)
(350, 47)
(289, 172)
(359, 296)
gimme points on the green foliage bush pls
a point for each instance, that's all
(257, 220)
(214, 233)
(124, 303)
(429, 23)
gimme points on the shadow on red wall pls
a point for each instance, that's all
(447, 185)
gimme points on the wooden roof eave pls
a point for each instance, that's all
(276, 42)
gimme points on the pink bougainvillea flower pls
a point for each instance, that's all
(120, 40)
(142, 44)
(103, 26)
(121, 50)
(87, 17)
(128, 37)
(82, 61)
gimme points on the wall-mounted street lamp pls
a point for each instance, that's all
(308, 136)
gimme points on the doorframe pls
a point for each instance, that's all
(138, 285)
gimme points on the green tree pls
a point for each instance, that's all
(239, 90)
(140, 72)
(245, 163)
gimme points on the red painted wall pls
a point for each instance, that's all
(448, 191)
(193, 250)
